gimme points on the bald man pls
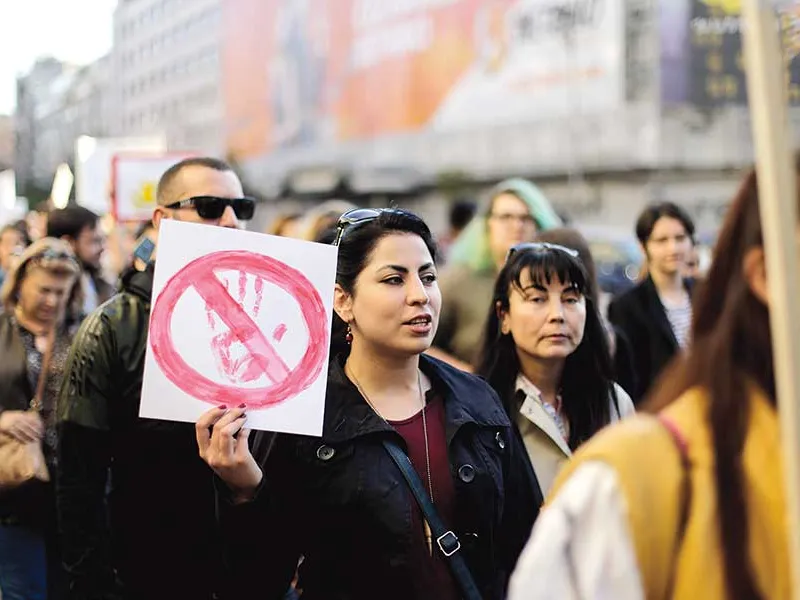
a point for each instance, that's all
(136, 504)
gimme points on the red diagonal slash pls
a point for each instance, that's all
(199, 274)
(241, 325)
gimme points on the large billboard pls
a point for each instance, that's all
(701, 52)
(298, 73)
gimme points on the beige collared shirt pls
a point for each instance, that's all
(546, 446)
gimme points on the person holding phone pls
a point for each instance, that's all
(153, 535)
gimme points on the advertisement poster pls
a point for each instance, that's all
(701, 52)
(321, 71)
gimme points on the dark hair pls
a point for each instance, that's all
(461, 213)
(650, 216)
(70, 221)
(731, 348)
(587, 383)
(199, 161)
(22, 226)
(572, 238)
(356, 248)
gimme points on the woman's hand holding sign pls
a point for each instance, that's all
(227, 453)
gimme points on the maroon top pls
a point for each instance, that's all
(435, 579)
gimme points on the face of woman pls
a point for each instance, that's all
(11, 244)
(396, 301)
(509, 223)
(545, 321)
(668, 248)
(43, 295)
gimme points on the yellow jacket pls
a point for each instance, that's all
(651, 478)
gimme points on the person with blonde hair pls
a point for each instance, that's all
(319, 224)
(517, 210)
(42, 301)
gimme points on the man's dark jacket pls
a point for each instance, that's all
(136, 504)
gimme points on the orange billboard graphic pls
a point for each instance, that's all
(299, 73)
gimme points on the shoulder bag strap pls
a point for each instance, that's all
(682, 446)
(38, 399)
(446, 539)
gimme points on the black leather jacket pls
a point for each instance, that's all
(136, 504)
(347, 509)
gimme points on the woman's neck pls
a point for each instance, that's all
(545, 374)
(390, 384)
(668, 284)
(35, 327)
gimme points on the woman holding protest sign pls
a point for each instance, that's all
(418, 488)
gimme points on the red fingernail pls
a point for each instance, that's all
(243, 405)
(223, 407)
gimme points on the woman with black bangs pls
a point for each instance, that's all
(546, 354)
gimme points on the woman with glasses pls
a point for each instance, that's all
(42, 301)
(341, 501)
(517, 210)
(546, 354)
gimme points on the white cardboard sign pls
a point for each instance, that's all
(135, 178)
(239, 318)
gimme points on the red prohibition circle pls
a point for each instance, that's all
(199, 274)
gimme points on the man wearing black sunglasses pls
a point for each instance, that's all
(153, 535)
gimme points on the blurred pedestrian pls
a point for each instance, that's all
(13, 242)
(154, 535)
(654, 317)
(690, 502)
(79, 226)
(42, 301)
(319, 224)
(545, 352)
(36, 220)
(516, 211)
(461, 213)
(315, 497)
(286, 225)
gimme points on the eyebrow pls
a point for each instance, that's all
(402, 269)
(567, 288)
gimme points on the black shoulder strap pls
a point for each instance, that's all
(446, 540)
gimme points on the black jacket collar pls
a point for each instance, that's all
(468, 399)
(656, 309)
(139, 283)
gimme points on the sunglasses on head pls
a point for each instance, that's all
(540, 246)
(357, 216)
(212, 208)
(50, 254)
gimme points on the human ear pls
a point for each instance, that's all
(343, 303)
(754, 268)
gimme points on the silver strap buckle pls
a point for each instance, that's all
(450, 537)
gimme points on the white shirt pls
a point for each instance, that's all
(581, 547)
(91, 300)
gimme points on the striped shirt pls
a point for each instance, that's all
(680, 318)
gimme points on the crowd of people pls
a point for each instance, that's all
(488, 433)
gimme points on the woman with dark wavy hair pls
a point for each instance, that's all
(689, 502)
(545, 352)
